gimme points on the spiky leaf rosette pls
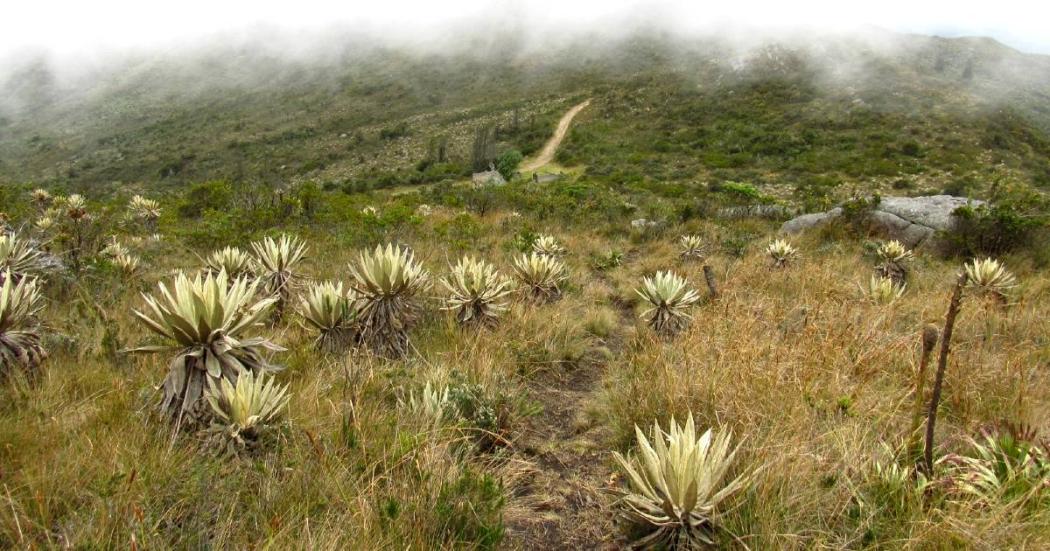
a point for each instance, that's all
(19, 338)
(244, 411)
(675, 484)
(144, 209)
(989, 277)
(129, 264)
(41, 198)
(883, 290)
(477, 292)
(44, 224)
(669, 297)
(232, 260)
(692, 247)
(275, 266)
(331, 311)
(782, 252)
(206, 319)
(432, 404)
(547, 245)
(1002, 467)
(893, 257)
(18, 257)
(113, 248)
(387, 282)
(76, 207)
(540, 276)
(893, 251)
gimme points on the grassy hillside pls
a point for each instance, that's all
(817, 381)
(914, 113)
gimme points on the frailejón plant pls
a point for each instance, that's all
(669, 297)
(477, 292)
(676, 482)
(540, 275)
(330, 310)
(388, 282)
(207, 321)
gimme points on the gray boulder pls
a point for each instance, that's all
(911, 220)
(811, 220)
(488, 178)
(932, 211)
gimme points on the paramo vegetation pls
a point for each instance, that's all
(329, 369)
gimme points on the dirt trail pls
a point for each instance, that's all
(551, 147)
(560, 499)
(559, 503)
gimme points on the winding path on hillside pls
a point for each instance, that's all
(551, 147)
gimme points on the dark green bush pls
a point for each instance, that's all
(856, 211)
(1016, 218)
(507, 163)
(213, 195)
(461, 232)
(995, 230)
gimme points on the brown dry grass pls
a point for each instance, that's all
(810, 376)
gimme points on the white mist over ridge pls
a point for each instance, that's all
(88, 30)
(258, 50)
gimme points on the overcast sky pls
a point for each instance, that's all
(89, 26)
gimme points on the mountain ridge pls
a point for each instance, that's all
(244, 113)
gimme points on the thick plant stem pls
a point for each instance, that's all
(929, 340)
(942, 362)
(709, 277)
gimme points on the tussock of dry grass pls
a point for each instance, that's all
(816, 379)
(810, 376)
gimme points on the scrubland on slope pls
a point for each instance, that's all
(815, 380)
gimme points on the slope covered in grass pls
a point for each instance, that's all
(910, 112)
(814, 380)
(503, 436)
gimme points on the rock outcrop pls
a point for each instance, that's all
(488, 178)
(911, 220)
